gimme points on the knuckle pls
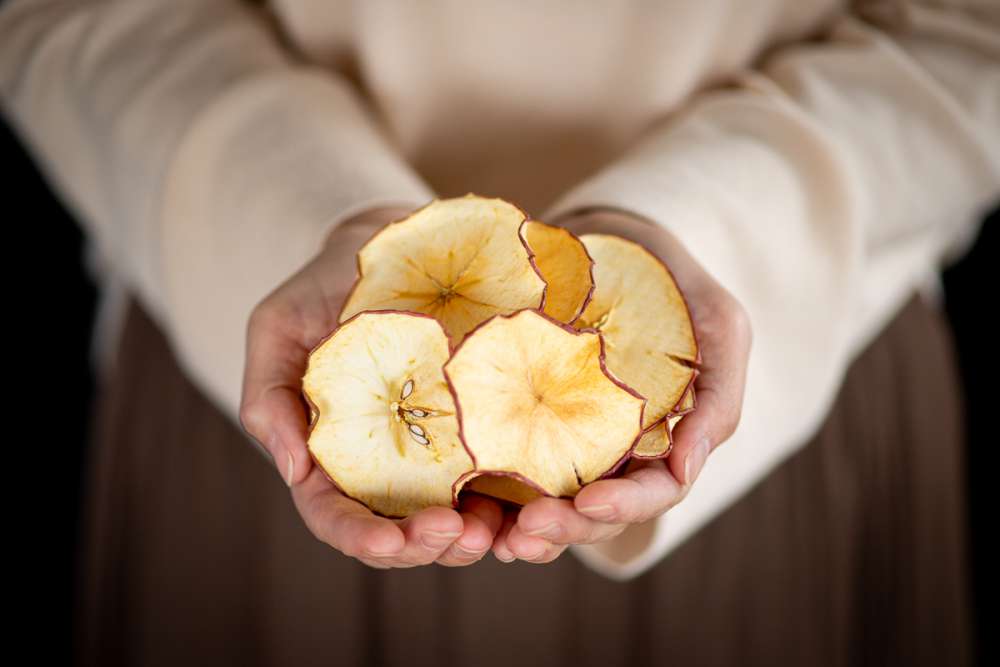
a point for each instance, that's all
(730, 423)
(264, 315)
(739, 322)
(252, 419)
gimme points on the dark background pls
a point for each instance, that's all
(53, 302)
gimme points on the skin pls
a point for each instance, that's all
(290, 321)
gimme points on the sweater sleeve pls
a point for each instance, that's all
(822, 189)
(205, 162)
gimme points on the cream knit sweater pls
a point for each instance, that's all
(821, 160)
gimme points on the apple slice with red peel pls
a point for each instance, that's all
(384, 424)
(687, 404)
(564, 265)
(537, 403)
(647, 329)
(655, 442)
(460, 260)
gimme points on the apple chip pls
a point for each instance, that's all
(385, 429)
(459, 260)
(655, 442)
(565, 266)
(536, 402)
(686, 404)
(645, 322)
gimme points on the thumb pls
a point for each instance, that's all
(272, 409)
(277, 420)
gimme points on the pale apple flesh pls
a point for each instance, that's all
(385, 428)
(460, 260)
(564, 265)
(647, 329)
(686, 404)
(657, 440)
(536, 402)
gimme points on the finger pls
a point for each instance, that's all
(532, 549)
(500, 548)
(343, 523)
(471, 545)
(646, 491)
(482, 519)
(558, 521)
(486, 509)
(271, 408)
(724, 332)
(428, 534)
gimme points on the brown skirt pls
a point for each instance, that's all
(852, 552)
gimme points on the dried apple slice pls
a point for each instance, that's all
(655, 442)
(537, 403)
(385, 428)
(686, 404)
(459, 260)
(645, 322)
(565, 266)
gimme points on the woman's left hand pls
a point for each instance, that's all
(541, 530)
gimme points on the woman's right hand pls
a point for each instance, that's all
(282, 330)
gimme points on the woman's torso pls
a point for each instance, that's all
(526, 100)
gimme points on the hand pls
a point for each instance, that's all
(282, 330)
(542, 529)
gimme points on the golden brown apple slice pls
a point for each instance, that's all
(565, 266)
(537, 403)
(687, 403)
(385, 429)
(655, 442)
(459, 260)
(637, 307)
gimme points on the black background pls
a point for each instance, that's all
(52, 302)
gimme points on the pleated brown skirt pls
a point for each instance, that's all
(853, 552)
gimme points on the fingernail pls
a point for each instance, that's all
(290, 474)
(433, 539)
(535, 556)
(506, 560)
(551, 531)
(601, 512)
(696, 460)
(462, 551)
(380, 554)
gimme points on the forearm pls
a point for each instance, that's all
(204, 160)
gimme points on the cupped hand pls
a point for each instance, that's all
(282, 330)
(542, 529)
